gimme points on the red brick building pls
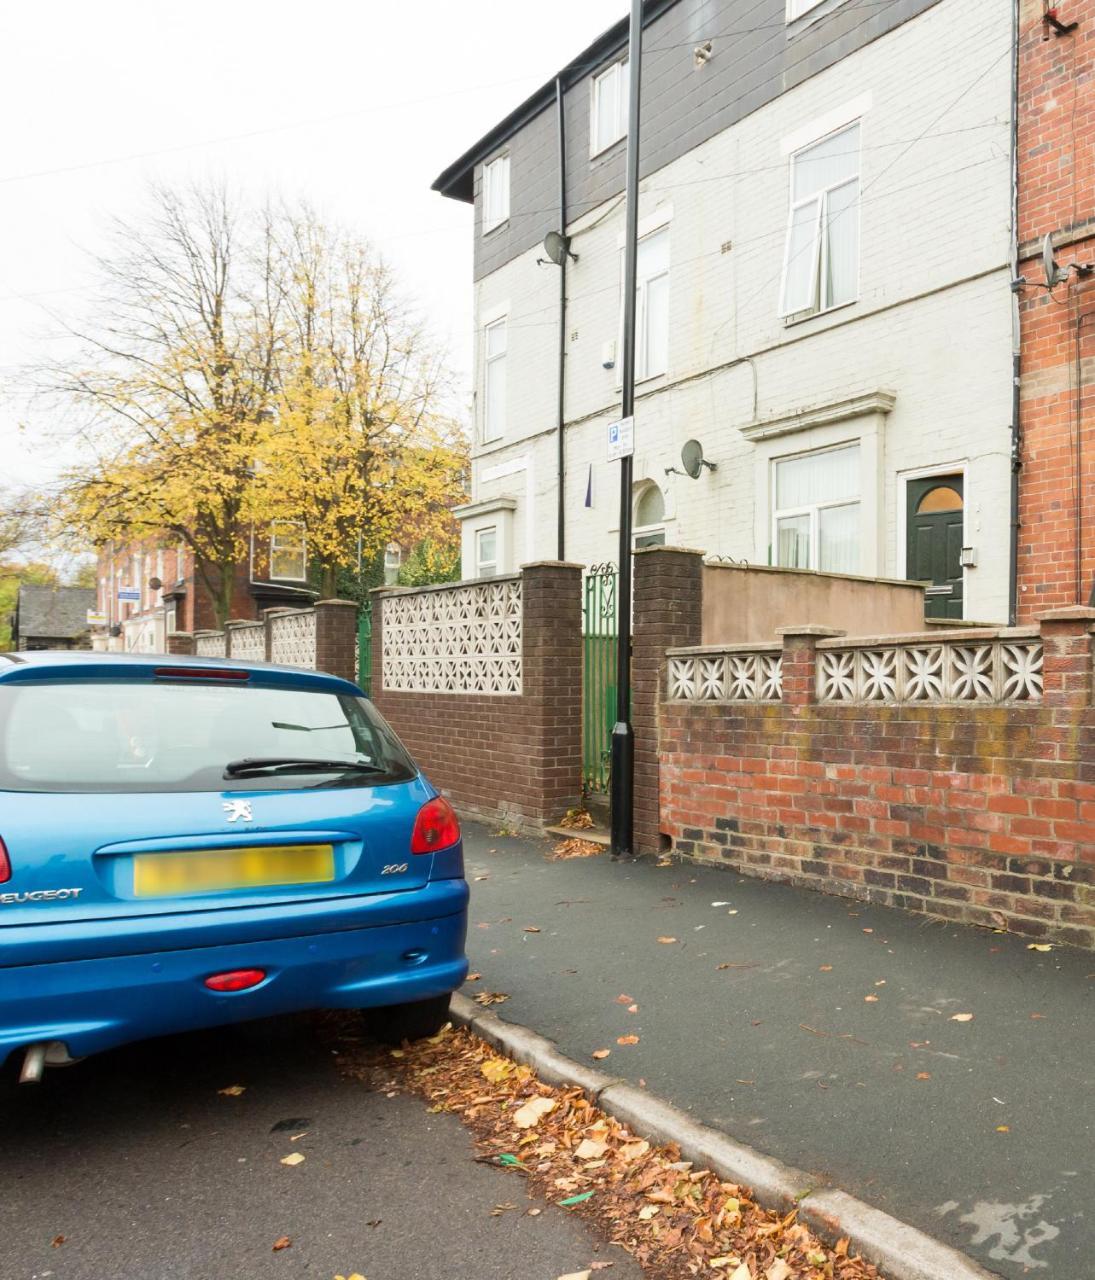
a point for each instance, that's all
(1056, 190)
(146, 590)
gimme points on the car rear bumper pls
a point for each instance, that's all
(97, 1004)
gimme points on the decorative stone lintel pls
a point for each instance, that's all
(821, 415)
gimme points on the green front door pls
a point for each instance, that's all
(935, 538)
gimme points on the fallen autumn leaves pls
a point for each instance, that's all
(677, 1221)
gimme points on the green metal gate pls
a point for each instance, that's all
(365, 647)
(599, 625)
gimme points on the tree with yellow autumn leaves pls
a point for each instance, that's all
(247, 366)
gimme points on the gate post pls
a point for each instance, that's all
(668, 615)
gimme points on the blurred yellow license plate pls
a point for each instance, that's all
(157, 875)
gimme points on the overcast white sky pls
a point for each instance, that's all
(84, 86)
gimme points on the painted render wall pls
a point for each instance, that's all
(933, 289)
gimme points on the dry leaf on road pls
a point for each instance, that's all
(667, 939)
(532, 928)
(282, 1242)
(871, 999)
(627, 1039)
(622, 999)
(576, 1275)
(590, 1149)
(923, 1075)
(496, 1069)
(491, 997)
(57, 1242)
(779, 1270)
(232, 1091)
(633, 1008)
(295, 1158)
(473, 977)
(532, 1112)
(961, 1017)
(825, 968)
(601, 1053)
(1039, 946)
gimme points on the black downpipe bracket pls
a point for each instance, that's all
(560, 126)
(623, 736)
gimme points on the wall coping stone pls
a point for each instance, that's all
(681, 551)
(1070, 613)
(550, 564)
(811, 629)
(336, 602)
(932, 637)
(446, 586)
(701, 650)
(914, 584)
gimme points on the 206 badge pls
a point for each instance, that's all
(238, 810)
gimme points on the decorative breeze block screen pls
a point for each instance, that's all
(727, 677)
(293, 639)
(249, 643)
(210, 646)
(460, 640)
(993, 671)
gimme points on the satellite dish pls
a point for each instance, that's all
(692, 459)
(155, 584)
(1054, 274)
(557, 248)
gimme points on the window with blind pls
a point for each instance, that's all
(821, 254)
(651, 305)
(815, 522)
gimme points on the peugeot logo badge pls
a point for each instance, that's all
(238, 810)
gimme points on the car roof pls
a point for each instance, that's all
(61, 664)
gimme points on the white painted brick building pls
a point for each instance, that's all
(822, 424)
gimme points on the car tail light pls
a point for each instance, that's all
(201, 673)
(436, 827)
(235, 979)
(5, 863)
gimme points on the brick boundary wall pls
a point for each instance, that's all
(512, 757)
(335, 645)
(668, 612)
(975, 813)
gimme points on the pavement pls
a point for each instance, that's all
(148, 1172)
(829, 1034)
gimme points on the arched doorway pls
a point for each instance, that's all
(936, 532)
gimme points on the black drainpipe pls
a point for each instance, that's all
(1016, 435)
(561, 419)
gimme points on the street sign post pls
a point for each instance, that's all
(623, 736)
(621, 439)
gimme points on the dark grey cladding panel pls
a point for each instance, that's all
(755, 57)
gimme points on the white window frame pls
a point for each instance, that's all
(299, 536)
(495, 193)
(643, 372)
(813, 510)
(618, 72)
(798, 8)
(494, 431)
(480, 563)
(819, 252)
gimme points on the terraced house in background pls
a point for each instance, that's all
(825, 237)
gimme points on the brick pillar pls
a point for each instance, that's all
(180, 642)
(551, 659)
(1067, 661)
(800, 661)
(336, 638)
(668, 614)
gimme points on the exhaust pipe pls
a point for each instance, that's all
(33, 1064)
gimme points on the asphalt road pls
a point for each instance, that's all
(148, 1172)
(820, 1031)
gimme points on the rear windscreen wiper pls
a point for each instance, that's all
(295, 764)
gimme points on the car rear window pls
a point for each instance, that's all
(131, 736)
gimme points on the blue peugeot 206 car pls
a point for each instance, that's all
(190, 842)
